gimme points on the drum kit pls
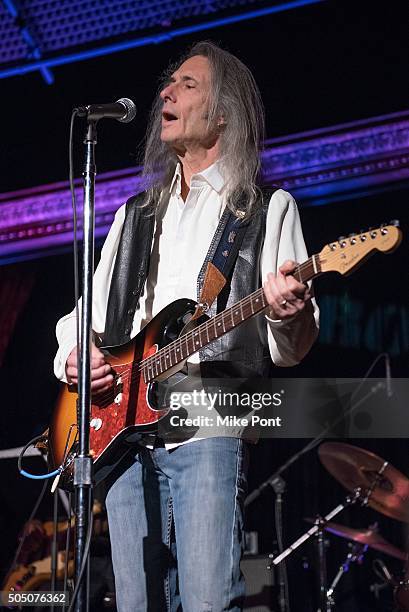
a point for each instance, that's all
(372, 482)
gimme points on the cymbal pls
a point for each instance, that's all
(355, 467)
(368, 536)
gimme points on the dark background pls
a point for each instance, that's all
(316, 66)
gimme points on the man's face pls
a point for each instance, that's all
(185, 106)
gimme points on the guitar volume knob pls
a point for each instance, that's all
(96, 423)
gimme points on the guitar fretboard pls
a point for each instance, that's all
(186, 345)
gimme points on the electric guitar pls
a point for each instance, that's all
(161, 349)
(33, 569)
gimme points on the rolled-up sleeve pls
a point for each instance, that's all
(288, 340)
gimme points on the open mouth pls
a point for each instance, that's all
(167, 116)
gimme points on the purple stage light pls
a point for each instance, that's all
(317, 167)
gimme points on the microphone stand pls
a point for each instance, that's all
(83, 460)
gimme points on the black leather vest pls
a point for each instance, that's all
(243, 352)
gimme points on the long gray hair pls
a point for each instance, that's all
(234, 97)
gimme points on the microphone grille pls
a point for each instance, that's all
(130, 109)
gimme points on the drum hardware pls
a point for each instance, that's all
(270, 482)
(279, 486)
(387, 492)
(377, 587)
(321, 522)
(369, 537)
(361, 540)
(387, 489)
(401, 593)
(375, 483)
(325, 601)
(357, 490)
(318, 529)
(355, 555)
(387, 579)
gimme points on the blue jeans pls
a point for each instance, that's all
(176, 526)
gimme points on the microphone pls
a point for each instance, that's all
(389, 391)
(123, 110)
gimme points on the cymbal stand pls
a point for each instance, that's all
(356, 554)
(318, 529)
(359, 494)
(376, 481)
(314, 530)
(279, 489)
(325, 605)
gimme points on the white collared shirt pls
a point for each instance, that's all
(182, 236)
(183, 232)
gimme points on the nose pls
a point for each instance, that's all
(168, 92)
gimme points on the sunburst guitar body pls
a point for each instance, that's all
(130, 406)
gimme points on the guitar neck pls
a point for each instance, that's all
(189, 343)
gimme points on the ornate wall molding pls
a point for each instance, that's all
(341, 161)
(318, 167)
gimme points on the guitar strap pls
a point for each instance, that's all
(220, 266)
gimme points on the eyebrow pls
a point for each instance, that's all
(184, 78)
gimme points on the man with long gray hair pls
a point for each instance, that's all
(176, 511)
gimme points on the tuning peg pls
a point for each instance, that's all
(372, 231)
(395, 222)
(341, 238)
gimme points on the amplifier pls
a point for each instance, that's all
(260, 584)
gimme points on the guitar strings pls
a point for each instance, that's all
(204, 327)
(165, 351)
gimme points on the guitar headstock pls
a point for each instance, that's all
(346, 254)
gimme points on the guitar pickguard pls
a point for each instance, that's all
(130, 406)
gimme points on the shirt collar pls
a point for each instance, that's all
(177, 178)
(211, 175)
